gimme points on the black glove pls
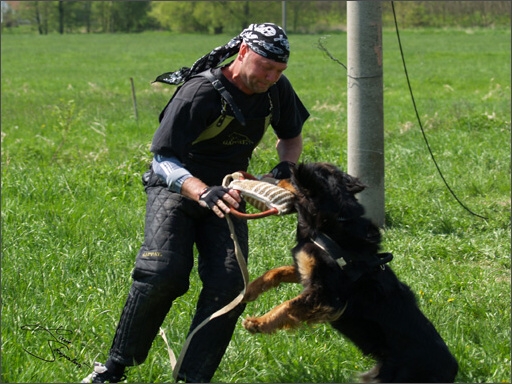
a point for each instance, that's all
(211, 195)
(283, 170)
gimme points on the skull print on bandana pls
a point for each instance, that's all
(267, 40)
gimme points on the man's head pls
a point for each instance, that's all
(262, 57)
(266, 43)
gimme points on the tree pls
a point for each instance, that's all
(175, 15)
(223, 16)
(42, 14)
(129, 16)
(61, 17)
(47, 16)
(87, 15)
(213, 16)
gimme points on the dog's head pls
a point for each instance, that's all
(324, 189)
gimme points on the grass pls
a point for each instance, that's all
(73, 205)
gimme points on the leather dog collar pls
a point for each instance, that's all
(342, 257)
(328, 245)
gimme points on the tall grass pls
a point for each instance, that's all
(73, 204)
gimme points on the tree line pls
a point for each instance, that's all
(229, 16)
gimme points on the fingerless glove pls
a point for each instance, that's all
(211, 195)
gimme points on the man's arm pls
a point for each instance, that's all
(179, 180)
(289, 149)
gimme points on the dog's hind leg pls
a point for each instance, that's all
(269, 280)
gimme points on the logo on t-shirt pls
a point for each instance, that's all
(237, 139)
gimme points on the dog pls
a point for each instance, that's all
(349, 284)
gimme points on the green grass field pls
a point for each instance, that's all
(73, 205)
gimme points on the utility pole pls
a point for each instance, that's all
(365, 111)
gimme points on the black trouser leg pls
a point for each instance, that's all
(161, 274)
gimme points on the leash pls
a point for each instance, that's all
(262, 194)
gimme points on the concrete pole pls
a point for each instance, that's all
(365, 112)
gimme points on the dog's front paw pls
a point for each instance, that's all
(251, 293)
(253, 325)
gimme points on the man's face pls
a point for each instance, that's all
(259, 73)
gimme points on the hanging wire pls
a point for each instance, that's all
(420, 123)
(322, 47)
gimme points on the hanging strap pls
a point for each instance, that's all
(217, 84)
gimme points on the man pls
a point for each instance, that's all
(208, 129)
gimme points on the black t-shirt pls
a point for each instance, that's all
(193, 130)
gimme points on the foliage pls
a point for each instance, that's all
(73, 204)
(231, 16)
(86, 16)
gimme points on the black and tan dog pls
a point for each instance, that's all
(348, 283)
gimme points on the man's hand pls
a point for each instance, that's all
(283, 170)
(219, 199)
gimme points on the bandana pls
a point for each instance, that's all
(268, 40)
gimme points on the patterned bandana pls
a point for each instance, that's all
(268, 40)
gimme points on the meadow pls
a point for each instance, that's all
(73, 152)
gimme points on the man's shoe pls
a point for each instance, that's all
(102, 375)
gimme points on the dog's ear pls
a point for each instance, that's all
(344, 188)
(324, 187)
(353, 184)
(306, 188)
(305, 180)
(335, 178)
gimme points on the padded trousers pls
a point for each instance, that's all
(173, 224)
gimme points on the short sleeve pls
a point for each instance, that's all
(293, 114)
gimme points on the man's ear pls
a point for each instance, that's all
(242, 51)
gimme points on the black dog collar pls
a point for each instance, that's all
(343, 257)
(328, 245)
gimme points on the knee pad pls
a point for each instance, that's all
(154, 272)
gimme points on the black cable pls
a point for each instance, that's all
(322, 47)
(421, 125)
